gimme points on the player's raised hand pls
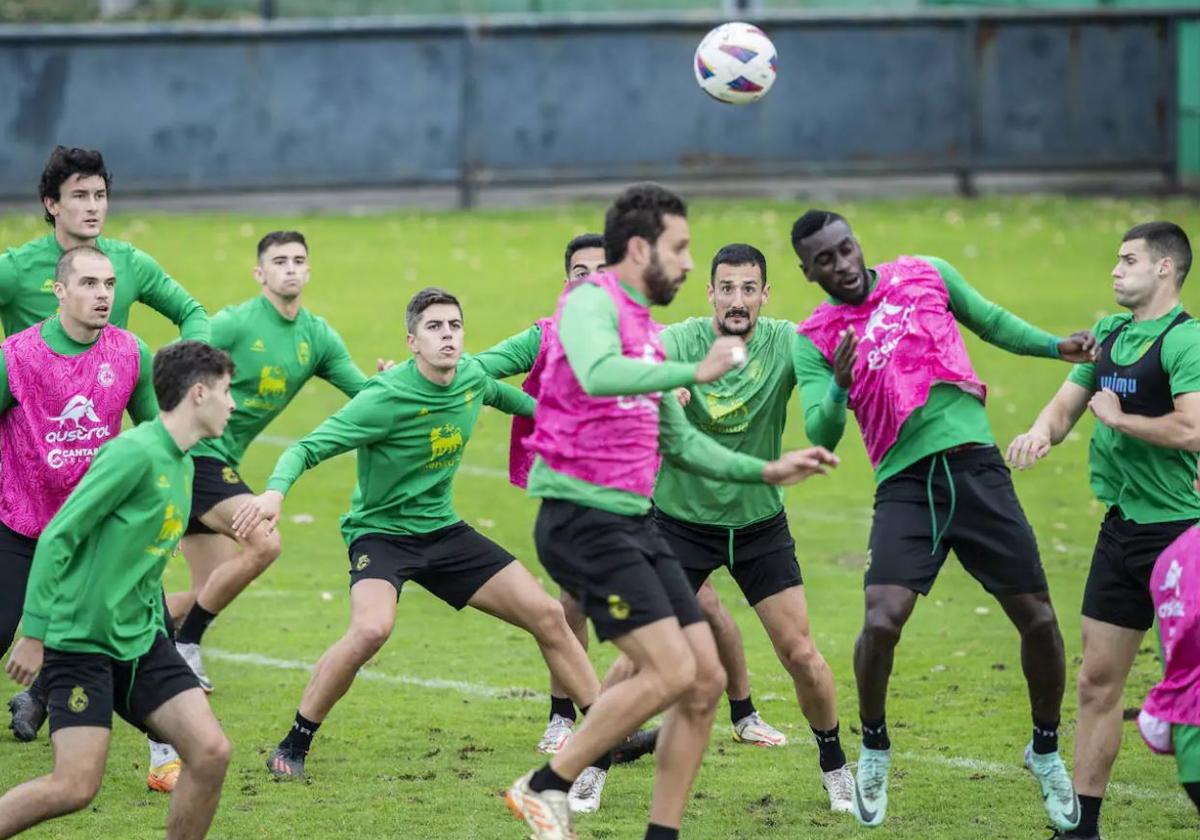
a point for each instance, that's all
(384, 364)
(1027, 449)
(793, 467)
(726, 353)
(25, 660)
(845, 355)
(262, 508)
(1078, 347)
(684, 395)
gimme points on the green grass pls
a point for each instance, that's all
(398, 759)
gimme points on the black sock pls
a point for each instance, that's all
(829, 745)
(1193, 790)
(547, 779)
(562, 706)
(197, 621)
(1089, 816)
(603, 762)
(1045, 737)
(655, 831)
(299, 739)
(875, 735)
(739, 709)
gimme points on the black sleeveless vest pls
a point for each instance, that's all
(1142, 386)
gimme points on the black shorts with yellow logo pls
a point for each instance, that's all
(214, 482)
(619, 568)
(84, 689)
(453, 563)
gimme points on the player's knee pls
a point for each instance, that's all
(216, 752)
(801, 657)
(548, 623)
(709, 684)
(76, 791)
(673, 678)
(368, 636)
(882, 628)
(265, 549)
(1098, 688)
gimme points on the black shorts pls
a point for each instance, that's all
(1118, 584)
(86, 688)
(453, 562)
(987, 528)
(619, 568)
(16, 557)
(761, 557)
(214, 482)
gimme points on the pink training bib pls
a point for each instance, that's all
(908, 341)
(606, 441)
(66, 408)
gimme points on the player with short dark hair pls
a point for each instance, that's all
(410, 426)
(278, 346)
(887, 345)
(74, 193)
(602, 420)
(93, 623)
(1144, 389)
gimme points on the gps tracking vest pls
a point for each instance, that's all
(520, 457)
(65, 408)
(908, 341)
(606, 441)
(1143, 386)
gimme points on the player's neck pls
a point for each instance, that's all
(1156, 307)
(183, 427)
(79, 333)
(289, 308)
(66, 241)
(635, 281)
(438, 376)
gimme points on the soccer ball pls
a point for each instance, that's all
(735, 63)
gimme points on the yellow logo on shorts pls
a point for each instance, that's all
(78, 701)
(362, 562)
(617, 608)
(229, 475)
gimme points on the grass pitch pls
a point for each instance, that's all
(448, 713)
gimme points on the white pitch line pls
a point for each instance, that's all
(1173, 797)
(472, 689)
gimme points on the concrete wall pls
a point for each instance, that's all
(531, 100)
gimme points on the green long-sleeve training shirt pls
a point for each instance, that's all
(410, 434)
(96, 581)
(143, 405)
(27, 287)
(950, 416)
(273, 358)
(591, 339)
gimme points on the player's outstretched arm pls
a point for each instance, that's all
(508, 399)
(160, 292)
(1178, 430)
(793, 467)
(1001, 328)
(1051, 427)
(514, 355)
(591, 340)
